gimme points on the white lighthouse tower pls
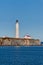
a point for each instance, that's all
(17, 29)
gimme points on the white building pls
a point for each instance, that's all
(27, 37)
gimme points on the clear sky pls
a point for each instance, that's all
(28, 12)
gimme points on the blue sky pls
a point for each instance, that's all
(28, 12)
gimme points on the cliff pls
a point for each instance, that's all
(18, 41)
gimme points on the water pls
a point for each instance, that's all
(12, 55)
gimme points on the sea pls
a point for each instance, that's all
(21, 55)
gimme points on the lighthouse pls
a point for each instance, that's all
(17, 29)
